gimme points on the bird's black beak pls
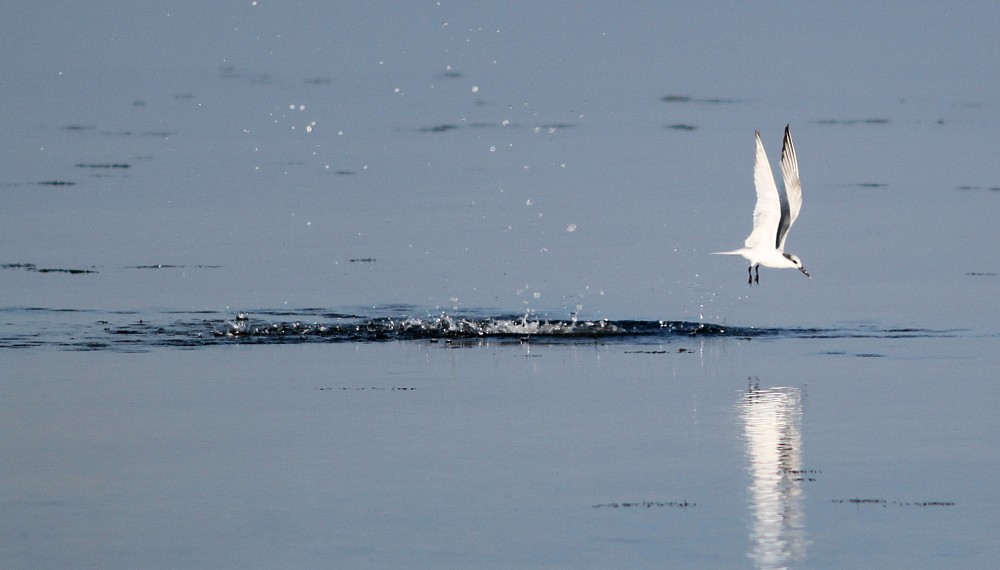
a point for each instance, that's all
(803, 270)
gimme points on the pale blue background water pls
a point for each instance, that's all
(270, 144)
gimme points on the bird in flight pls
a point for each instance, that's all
(774, 213)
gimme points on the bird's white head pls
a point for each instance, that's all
(797, 263)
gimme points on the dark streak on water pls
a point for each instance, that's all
(538, 128)
(35, 268)
(118, 165)
(68, 329)
(168, 266)
(690, 99)
(990, 188)
(892, 503)
(877, 121)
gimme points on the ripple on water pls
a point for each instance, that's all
(131, 331)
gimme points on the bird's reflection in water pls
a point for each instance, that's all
(772, 426)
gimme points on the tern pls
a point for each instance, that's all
(774, 213)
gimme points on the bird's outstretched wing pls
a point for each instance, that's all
(767, 212)
(793, 189)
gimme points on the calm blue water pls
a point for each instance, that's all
(429, 285)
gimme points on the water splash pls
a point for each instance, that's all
(137, 331)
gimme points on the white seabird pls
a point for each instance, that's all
(774, 213)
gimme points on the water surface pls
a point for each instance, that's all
(301, 285)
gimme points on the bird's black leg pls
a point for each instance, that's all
(750, 275)
(756, 278)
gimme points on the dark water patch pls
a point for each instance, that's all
(56, 183)
(367, 389)
(345, 172)
(79, 128)
(707, 100)
(681, 127)
(990, 188)
(803, 475)
(93, 346)
(363, 260)
(106, 165)
(538, 128)
(646, 505)
(678, 351)
(891, 503)
(317, 81)
(858, 354)
(979, 274)
(69, 271)
(877, 121)
(871, 185)
(438, 129)
(36, 269)
(169, 266)
(151, 134)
